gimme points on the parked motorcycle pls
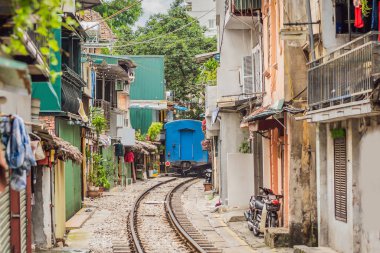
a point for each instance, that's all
(266, 205)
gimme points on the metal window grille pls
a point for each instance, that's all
(340, 179)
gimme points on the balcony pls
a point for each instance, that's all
(242, 14)
(344, 78)
(106, 106)
(72, 85)
(245, 7)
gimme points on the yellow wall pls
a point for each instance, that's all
(59, 200)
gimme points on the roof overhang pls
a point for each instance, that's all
(112, 71)
(89, 4)
(206, 56)
(15, 74)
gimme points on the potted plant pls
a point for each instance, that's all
(97, 177)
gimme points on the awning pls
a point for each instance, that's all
(204, 57)
(64, 149)
(214, 116)
(112, 71)
(268, 111)
(181, 108)
(149, 104)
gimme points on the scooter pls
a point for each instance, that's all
(263, 210)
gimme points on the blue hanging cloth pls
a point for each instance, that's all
(375, 15)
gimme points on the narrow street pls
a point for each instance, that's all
(107, 227)
(189, 126)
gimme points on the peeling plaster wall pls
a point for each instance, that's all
(368, 190)
(41, 212)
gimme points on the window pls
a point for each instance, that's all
(211, 23)
(345, 17)
(340, 178)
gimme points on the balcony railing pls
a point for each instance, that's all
(245, 7)
(345, 75)
(106, 106)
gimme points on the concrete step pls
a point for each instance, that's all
(306, 249)
(79, 218)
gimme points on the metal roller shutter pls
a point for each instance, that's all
(5, 222)
(23, 221)
(340, 179)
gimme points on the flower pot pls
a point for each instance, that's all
(207, 187)
(93, 194)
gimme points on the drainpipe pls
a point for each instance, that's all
(310, 24)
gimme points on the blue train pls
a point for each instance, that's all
(183, 146)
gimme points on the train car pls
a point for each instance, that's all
(183, 146)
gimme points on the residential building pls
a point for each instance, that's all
(204, 11)
(114, 78)
(343, 101)
(99, 33)
(148, 100)
(16, 76)
(260, 88)
(64, 111)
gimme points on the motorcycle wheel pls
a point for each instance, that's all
(256, 231)
(273, 222)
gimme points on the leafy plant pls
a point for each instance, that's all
(365, 8)
(42, 17)
(98, 121)
(99, 175)
(139, 136)
(244, 147)
(154, 130)
(208, 72)
(338, 133)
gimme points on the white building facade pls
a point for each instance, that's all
(204, 11)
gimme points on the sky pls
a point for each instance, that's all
(151, 7)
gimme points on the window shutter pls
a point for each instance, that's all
(340, 178)
(257, 69)
(247, 74)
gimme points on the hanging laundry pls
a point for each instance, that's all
(375, 15)
(18, 153)
(129, 157)
(359, 23)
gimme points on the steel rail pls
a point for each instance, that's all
(136, 241)
(175, 221)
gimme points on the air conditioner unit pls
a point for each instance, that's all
(131, 76)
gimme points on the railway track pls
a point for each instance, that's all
(157, 223)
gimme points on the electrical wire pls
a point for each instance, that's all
(163, 35)
(115, 14)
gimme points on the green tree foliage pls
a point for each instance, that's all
(179, 47)
(121, 23)
(154, 130)
(208, 72)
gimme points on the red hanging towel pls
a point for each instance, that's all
(359, 23)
